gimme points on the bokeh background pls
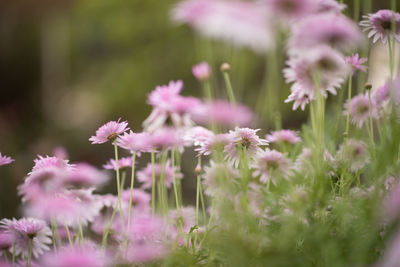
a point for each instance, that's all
(67, 67)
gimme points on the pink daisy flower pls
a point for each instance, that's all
(284, 136)
(28, 228)
(140, 199)
(85, 175)
(357, 62)
(5, 159)
(163, 95)
(223, 113)
(271, 165)
(135, 142)
(201, 71)
(330, 6)
(382, 95)
(334, 30)
(78, 256)
(214, 143)
(243, 23)
(197, 136)
(50, 163)
(145, 175)
(167, 138)
(6, 240)
(243, 138)
(215, 176)
(359, 109)
(291, 9)
(146, 240)
(380, 25)
(325, 62)
(109, 132)
(123, 164)
(355, 153)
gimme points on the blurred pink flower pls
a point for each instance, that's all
(135, 142)
(201, 71)
(215, 176)
(379, 25)
(85, 175)
(216, 142)
(359, 109)
(145, 175)
(357, 62)
(109, 132)
(271, 165)
(123, 163)
(285, 136)
(140, 199)
(5, 159)
(28, 228)
(223, 113)
(354, 153)
(243, 23)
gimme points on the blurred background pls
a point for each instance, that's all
(67, 67)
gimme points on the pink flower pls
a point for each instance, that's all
(291, 9)
(167, 138)
(86, 175)
(78, 256)
(243, 138)
(146, 239)
(140, 199)
(214, 143)
(163, 95)
(49, 163)
(71, 207)
(123, 163)
(135, 142)
(330, 6)
(28, 228)
(223, 113)
(5, 160)
(322, 62)
(379, 25)
(197, 136)
(271, 165)
(109, 132)
(359, 109)
(285, 136)
(187, 216)
(334, 30)
(201, 71)
(391, 203)
(6, 240)
(145, 175)
(382, 94)
(215, 177)
(357, 62)
(242, 23)
(354, 153)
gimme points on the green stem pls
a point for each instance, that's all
(108, 229)
(229, 88)
(207, 90)
(28, 262)
(53, 235)
(80, 233)
(118, 183)
(131, 189)
(198, 194)
(356, 10)
(391, 63)
(348, 107)
(371, 125)
(153, 183)
(68, 234)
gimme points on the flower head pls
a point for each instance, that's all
(223, 113)
(356, 62)
(140, 199)
(123, 163)
(109, 132)
(271, 165)
(284, 136)
(86, 175)
(242, 23)
(214, 143)
(380, 25)
(201, 71)
(78, 255)
(360, 109)
(291, 9)
(5, 159)
(23, 230)
(243, 139)
(215, 177)
(135, 142)
(145, 175)
(6, 240)
(334, 30)
(355, 153)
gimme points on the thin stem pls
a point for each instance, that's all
(53, 235)
(198, 194)
(207, 90)
(28, 262)
(356, 10)
(68, 234)
(229, 88)
(153, 183)
(80, 233)
(371, 126)
(118, 182)
(348, 107)
(108, 229)
(203, 207)
(391, 63)
(131, 189)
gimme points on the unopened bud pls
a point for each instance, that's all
(225, 67)
(197, 170)
(368, 86)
